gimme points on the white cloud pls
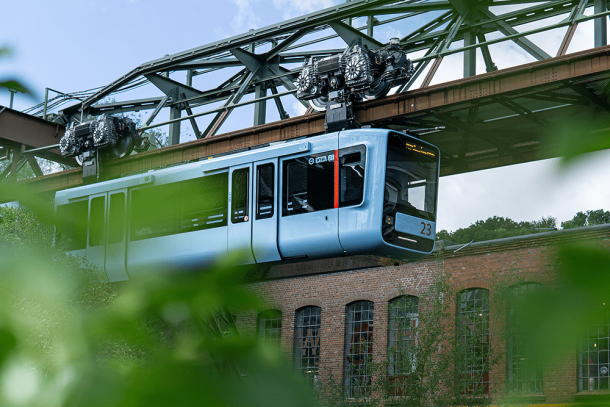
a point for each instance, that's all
(527, 192)
(298, 109)
(294, 8)
(245, 16)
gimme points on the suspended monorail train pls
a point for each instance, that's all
(363, 191)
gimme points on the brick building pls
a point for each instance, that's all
(318, 310)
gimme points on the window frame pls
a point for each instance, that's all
(411, 315)
(479, 369)
(592, 381)
(312, 369)
(181, 206)
(329, 198)
(258, 193)
(358, 366)
(513, 373)
(275, 332)
(361, 148)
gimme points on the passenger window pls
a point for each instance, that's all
(352, 164)
(96, 221)
(264, 191)
(186, 206)
(116, 218)
(74, 224)
(239, 195)
(204, 202)
(308, 184)
(154, 212)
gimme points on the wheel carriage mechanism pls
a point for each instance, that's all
(333, 84)
(94, 142)
(336, 83)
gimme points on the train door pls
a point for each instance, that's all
(96, 250)
(264, 224)
(240, 212)
(115, 238)
(309, 225)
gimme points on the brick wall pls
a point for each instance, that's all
(524, 259)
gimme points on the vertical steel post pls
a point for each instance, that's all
(260, 108)
(369, 26)
(470, 56)
(46, 102)
(174, 128)
(348, 21)
(12, 97)
(600, 25)
(189, 77)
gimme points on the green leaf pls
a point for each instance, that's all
(7, 343)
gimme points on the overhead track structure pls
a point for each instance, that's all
(438, 28)
(499, 118)
(269, 59)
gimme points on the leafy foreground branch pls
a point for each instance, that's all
(68, 338)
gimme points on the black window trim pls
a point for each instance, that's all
(347, 150)
(274, 192)
(129, 207)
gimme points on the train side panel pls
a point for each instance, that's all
(309, 225)
(360, 225)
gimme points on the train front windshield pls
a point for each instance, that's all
(410, 189)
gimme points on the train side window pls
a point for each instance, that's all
(239, 195)
(74, 225)
(352, 165)
(96, 221)
(204, 202)
(154, 212)
(308, 184)
(116, 218)
(180, 207)
(264, 191)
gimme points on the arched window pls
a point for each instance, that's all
(307, 342)
(523, 376)
(270, 327)
(402, 330)
(594, 357)
(403, 314)
(473, 340)
(358, 349)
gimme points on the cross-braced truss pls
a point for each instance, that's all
(263, 64)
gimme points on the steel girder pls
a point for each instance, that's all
(441, 25)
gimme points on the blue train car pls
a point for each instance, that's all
(364, 191)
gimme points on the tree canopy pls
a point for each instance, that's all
(497, 227)
(589, 218)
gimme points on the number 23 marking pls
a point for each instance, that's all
(426, 229)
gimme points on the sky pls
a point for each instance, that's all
(73, 45)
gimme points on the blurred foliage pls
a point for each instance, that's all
(590, 218)
(12, 82)
(497, 227)
(69, 338)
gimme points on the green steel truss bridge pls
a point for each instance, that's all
(500, 117)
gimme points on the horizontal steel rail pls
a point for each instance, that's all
(559, 72)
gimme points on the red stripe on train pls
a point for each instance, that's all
(336, 178)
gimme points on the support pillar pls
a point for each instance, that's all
(15, 164)
(174, 128)
(260, 108)
(369, 26)
(470, 56)
(600, 25)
